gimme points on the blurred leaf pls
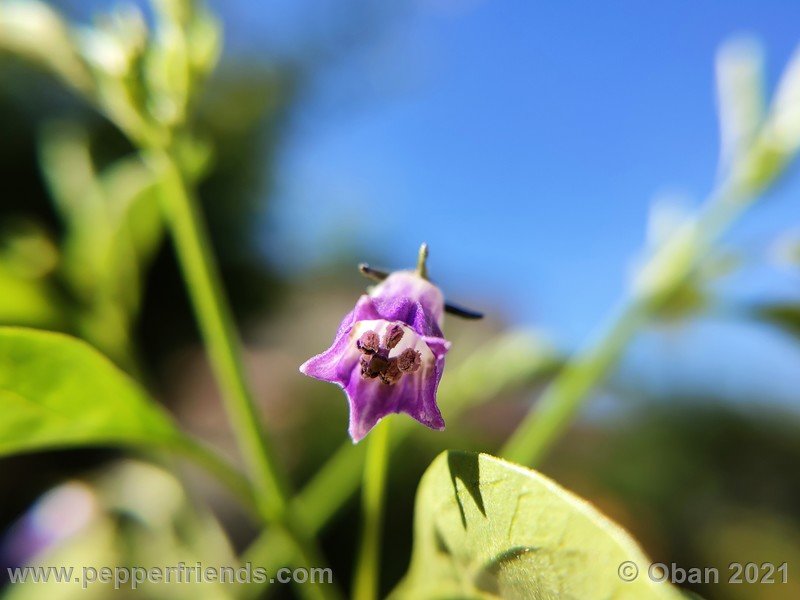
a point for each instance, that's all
(27, 302)
(488, 528)
(669, 217)
(113, 229)
(175, 11)
(783, 122)
(27, 250)
(685, 302)
(94, 548)
(205, 41)
(785, 251)
(27, 257)
(509, 362)
(56, 391)
(668, 212)
(678, 289)
(133, 513)
(667, 265)
(696, 294)
(779, 136)
(136, 227)
(68, 169)
(195, 155)
(115, 42)
(103, 51)
(34, 30)
(128, 187)
(90, 264)
(784, 316)
(167, 70)
(740, 97)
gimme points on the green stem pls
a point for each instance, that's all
(480, 378)
(199, 268)
(334, 483)
(367, 575)
(672, 264)
(283, 535)
(557, 406)
(220, 468)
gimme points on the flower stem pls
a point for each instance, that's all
(193, 248)
(367, 575)
(485, 375)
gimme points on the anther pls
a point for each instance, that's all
(392, 374)
(369, 343)
(409, 361)
(393, 335)
(373, 366)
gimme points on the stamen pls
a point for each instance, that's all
(373, 366)
(393, 335)
(369, 343)
(375, 362)
(365, 372)
(409, 361)
(392, 373)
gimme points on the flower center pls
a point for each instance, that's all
(375, 359)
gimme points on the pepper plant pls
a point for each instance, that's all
(484, 526)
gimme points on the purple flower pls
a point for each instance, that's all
(388, 354)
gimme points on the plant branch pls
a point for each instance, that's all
(193, 248)
(508, 364)
(221, 469)
(367, 575)
(211, 308)
(665, 272)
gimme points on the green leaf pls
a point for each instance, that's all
(56, 392)
(27, 258)
(27, 301)
(740, 97)
(486, 528)
(783, 315)
(34, 30)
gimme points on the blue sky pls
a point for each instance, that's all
(525, 141)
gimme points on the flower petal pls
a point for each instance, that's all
(370, 401)
(408, 285)
(410, 312)
(416, 306)
(415, 394)
(326, 366)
